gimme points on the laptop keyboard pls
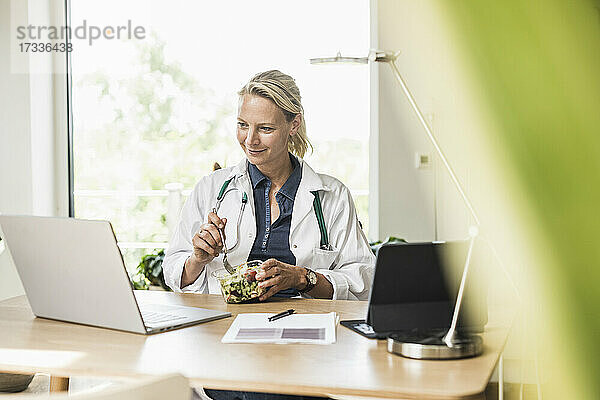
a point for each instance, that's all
(153, 317)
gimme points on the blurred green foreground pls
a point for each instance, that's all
(538, 62)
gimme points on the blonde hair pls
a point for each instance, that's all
(282, 90)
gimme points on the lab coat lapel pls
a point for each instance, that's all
(303, 203)
(238, 170)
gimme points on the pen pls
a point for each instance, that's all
(281, 315)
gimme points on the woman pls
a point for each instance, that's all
(328, 259)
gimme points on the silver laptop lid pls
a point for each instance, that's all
(72, 270)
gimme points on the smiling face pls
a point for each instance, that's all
(263, 131)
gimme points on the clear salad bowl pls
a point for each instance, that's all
(240, 286)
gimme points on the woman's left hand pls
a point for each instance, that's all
(278, 276)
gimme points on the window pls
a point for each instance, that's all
(159, 110)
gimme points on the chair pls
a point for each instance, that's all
(172, 387)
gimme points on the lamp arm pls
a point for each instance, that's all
(391, 60)
(451, 333)
(450, 336)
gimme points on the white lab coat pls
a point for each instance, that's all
(349, 266)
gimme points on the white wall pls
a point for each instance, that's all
(404, 204)
(15, 129)
(33, 177)
(15, 148)
(409, 198)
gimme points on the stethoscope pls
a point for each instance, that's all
(324, 244)
(222, 193)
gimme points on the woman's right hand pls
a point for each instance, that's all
(207, 243)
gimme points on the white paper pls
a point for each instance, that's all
(295, 328)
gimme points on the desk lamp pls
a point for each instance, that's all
(424, 345)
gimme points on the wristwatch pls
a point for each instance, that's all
(311, 280)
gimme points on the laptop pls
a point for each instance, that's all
(415, 287)
(72, 270)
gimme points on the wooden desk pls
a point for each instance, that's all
(352, 366)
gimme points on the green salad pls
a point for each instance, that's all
(242, 285)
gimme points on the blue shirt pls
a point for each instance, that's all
(273, 238)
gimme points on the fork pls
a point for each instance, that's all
(226, 264)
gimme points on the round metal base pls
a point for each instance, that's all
(430, 346)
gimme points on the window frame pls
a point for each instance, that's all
(69, 116)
